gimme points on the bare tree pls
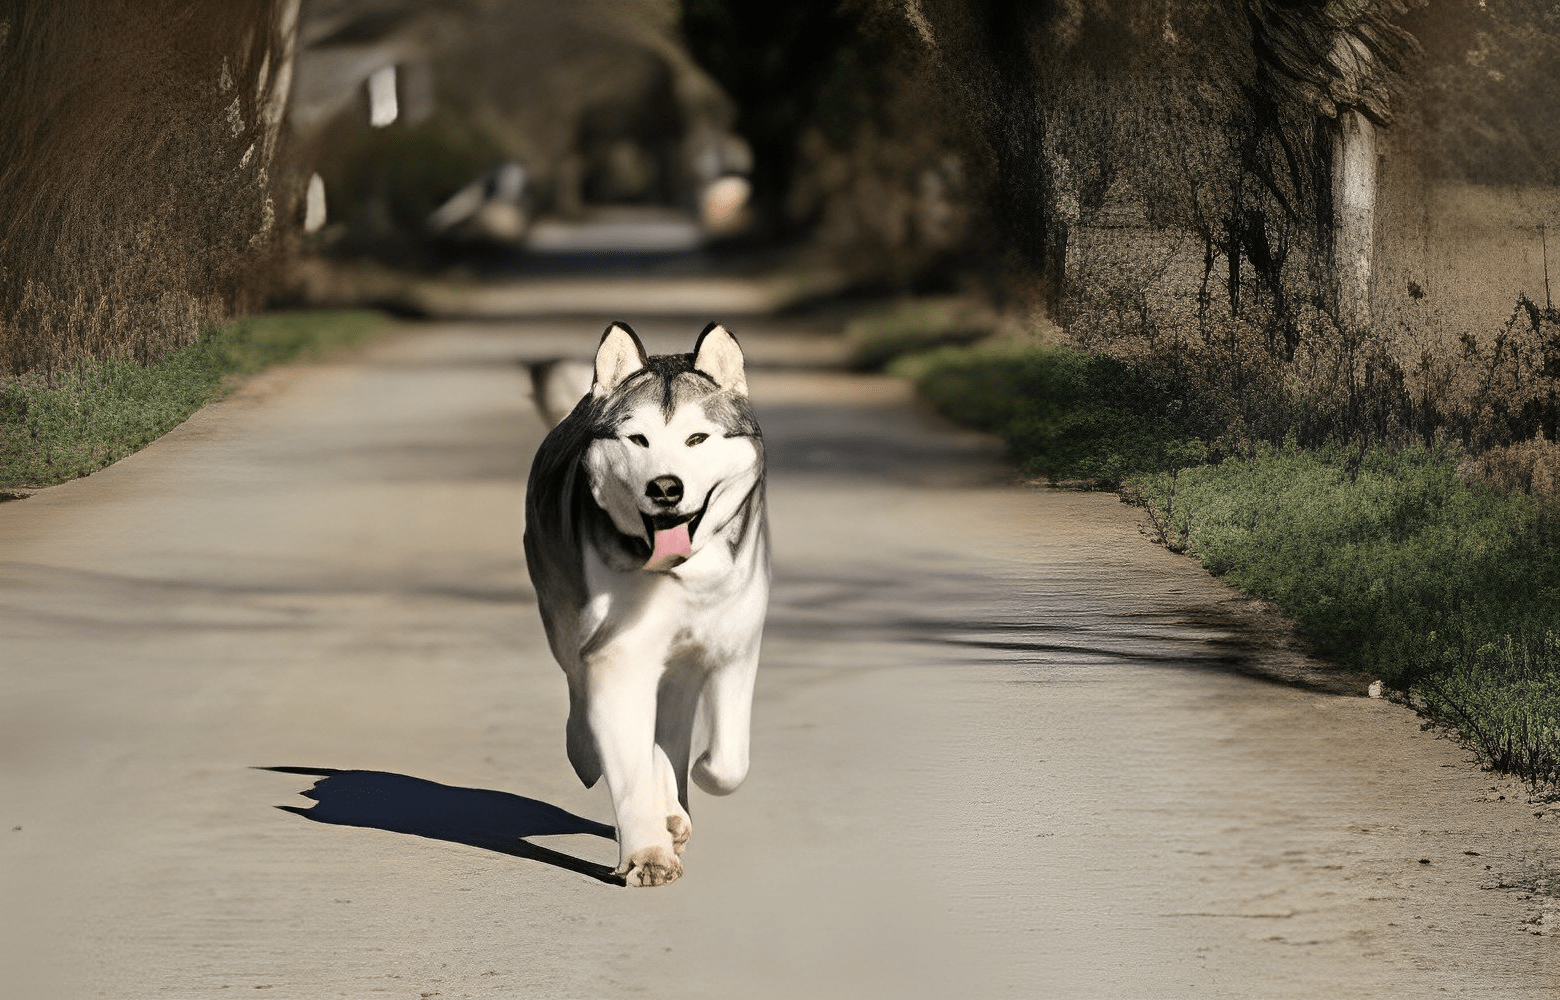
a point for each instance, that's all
(1258, 102)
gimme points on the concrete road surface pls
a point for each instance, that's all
(1003, 746)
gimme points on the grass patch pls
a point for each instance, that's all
(909, 326)
(1389, 563)
(1385, 558)
(1065, 415)
(66, 424)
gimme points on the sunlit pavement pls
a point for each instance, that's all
(1003, 746)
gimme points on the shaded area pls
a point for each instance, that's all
(476, 817)
(296, 596)
(963, 618)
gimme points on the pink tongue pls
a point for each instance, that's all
(672, 546)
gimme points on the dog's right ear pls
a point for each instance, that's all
(619, 356)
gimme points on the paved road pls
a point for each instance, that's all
(1003, 747)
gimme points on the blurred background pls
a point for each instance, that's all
(1351, 197)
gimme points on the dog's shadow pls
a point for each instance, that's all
(476, 817)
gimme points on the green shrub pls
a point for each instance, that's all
(384, 182)
(911, 326)
(1389, 563)
(1065, 414)
(62, 425)
(1505, 698)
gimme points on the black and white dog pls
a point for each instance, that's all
(648, 547)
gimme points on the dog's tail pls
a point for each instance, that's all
(558, 386)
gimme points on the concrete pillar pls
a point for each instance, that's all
(383, 108)
(314, 214)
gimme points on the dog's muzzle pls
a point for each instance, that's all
(670, 535)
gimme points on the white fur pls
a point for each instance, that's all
(619, 356)
(661, 664)
(717, 467)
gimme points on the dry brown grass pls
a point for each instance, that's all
(1469, 249)
(1469, 352)
(136, 143)
(1531, 467)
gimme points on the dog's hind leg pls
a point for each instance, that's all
(728, 705)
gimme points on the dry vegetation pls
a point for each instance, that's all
(1466, 351)
(136, 194)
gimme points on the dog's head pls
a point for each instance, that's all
(675, 450)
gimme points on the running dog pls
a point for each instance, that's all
(648, 547)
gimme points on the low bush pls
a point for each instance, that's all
(1389, 563)
(69, 423)
(1065, 414)
(875, 338)
(383, 183)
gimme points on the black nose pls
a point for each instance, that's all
(664, 491)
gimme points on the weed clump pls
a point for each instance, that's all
(68, 423)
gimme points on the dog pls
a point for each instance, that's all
(648, 546)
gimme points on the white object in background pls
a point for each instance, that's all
(722, 206)
(1376, 689)
(462, 205)
(508, 183)
(382, 107)
(314, 205)
(491, 203)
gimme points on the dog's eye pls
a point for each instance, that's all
(694, 439)
(640, 440)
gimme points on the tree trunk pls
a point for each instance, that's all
(1354, 214)
(275, 86)
(1054, 275)
(1232, 254)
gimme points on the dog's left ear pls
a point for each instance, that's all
(717, 355)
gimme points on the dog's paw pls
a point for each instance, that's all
(680, 829)
(650, 866)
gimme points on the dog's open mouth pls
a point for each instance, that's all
(671, 538)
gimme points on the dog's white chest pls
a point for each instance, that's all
(714, 611)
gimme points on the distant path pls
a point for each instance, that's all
(1003, 747)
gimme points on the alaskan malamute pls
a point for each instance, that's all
(648, 547)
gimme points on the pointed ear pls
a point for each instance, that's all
(717, 355)
(619, 356)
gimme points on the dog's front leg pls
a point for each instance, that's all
(622, 715)
(676, 704)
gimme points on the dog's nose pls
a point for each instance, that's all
(664, 491)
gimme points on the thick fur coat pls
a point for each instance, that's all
(647, 544)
